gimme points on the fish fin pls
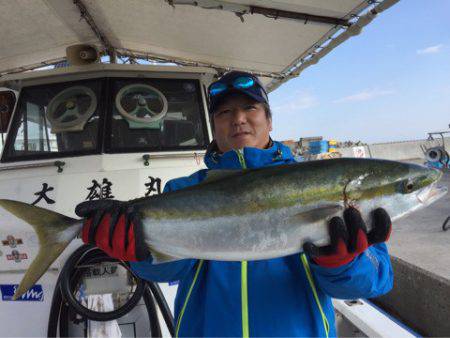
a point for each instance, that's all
(48, 226)
(218, 174)
(159, 257)
(317, 214)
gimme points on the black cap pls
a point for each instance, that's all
(255, 91)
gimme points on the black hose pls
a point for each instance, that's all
(163, 306)
(70, 275)
(58, 314)
(155, 328)
(64, 320)
(55, 310)
(60, 310)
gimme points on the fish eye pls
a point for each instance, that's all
(408, 186)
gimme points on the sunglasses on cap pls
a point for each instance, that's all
(241, 82)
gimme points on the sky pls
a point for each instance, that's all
(390, 83)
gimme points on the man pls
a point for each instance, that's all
(288, 296)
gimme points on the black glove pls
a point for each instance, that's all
(115, 227)
(349, 237)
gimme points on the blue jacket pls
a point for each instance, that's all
(277, 297)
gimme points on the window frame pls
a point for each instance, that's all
(15, 125)
(105, 109)
(108, 149)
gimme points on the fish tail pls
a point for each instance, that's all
(55, 231)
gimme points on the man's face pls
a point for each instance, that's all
(241, 122)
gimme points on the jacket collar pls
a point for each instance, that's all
(276, 154)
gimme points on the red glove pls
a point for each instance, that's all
(349, 238)
(115, 227)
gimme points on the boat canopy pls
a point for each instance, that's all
(273, 39)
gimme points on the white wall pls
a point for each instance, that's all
(398, 150)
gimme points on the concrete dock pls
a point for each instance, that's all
(420, 250)
(418, 239)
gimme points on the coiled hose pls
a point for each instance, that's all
(64, 304)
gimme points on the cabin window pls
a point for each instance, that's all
(156, 114)
(112, 115)
(56, 119)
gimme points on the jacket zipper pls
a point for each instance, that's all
(244, 269)
(240, 155)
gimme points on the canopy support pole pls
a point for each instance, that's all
(331, 40)
(276, 13)
(110, 50)
(241, 10)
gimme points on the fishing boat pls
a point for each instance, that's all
(107, 100)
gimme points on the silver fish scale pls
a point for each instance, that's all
(262, 214)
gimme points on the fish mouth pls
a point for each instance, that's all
(431, 194)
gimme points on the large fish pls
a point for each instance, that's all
(251, 214)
